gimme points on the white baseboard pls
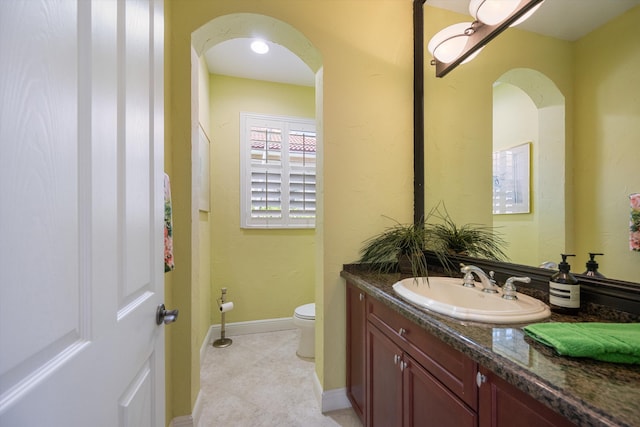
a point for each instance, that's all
(183, 421)
(208, 339)
(197, 410)
(330, 400)
(317, 389)
(335, 399)
(189, 420)
(250, 327)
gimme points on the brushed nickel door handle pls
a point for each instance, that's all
(165, 316)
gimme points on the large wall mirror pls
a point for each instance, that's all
(574, 95)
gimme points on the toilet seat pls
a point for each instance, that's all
(306, 312)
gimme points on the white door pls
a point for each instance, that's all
(81, 213)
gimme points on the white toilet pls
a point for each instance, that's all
(304, 318)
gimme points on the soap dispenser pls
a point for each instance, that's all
(564, 290)
(592, 266)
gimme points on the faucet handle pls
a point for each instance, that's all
(509, 289)
(518, 279)
(468, 281)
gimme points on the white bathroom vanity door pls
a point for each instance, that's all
(81, 213)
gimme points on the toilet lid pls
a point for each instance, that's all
(307, 311)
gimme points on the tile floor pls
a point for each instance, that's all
(259, 381)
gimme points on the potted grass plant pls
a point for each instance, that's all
(473, 240)
(402, 246)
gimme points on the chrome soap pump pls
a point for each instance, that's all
(564, 290)
(592, 266)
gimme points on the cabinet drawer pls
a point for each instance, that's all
(451, 367)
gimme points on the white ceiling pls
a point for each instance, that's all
(235, 58)
(563, 19)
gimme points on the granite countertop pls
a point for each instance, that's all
(588, 392)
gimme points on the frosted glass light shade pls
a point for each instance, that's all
(492, 12)
(449, 42)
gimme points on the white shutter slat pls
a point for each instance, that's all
(266, 194)
(302, 177)
(279, 178)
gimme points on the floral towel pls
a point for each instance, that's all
(634, 222)
(168, 227)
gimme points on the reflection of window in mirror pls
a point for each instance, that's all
(511, 180)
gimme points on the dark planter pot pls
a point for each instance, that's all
(404, 264)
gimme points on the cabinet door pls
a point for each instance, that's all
(356, 334)
(503, 405)
(384, 380)
(426, 402)
(451, 367)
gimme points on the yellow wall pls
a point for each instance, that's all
(203, 295)
(607, 149)
(515, 122)
(367, 101)
(267, 273)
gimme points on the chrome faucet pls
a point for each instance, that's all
(509, 289)
(488, 283)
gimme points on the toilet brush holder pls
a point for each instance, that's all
(224, 307)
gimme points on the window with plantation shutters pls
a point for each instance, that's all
(278, 171)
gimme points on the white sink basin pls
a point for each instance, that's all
(446, 295)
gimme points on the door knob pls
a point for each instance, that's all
(165, 316)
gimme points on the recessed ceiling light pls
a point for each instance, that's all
(259, 46)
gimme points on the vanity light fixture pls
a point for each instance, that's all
(260, 47)
(459, 43)
(450, 42)
(492, 12)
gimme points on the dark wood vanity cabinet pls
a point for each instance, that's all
(398, 374)
(356, 335)
(426, 402)
(404, 384)
(384, 380)
(503, 405)
(402, 393)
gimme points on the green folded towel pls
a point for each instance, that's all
(609, 342)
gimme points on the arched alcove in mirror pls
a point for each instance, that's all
(529, 113)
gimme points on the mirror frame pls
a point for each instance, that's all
(618, 294)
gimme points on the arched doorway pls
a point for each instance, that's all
(223, 244)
